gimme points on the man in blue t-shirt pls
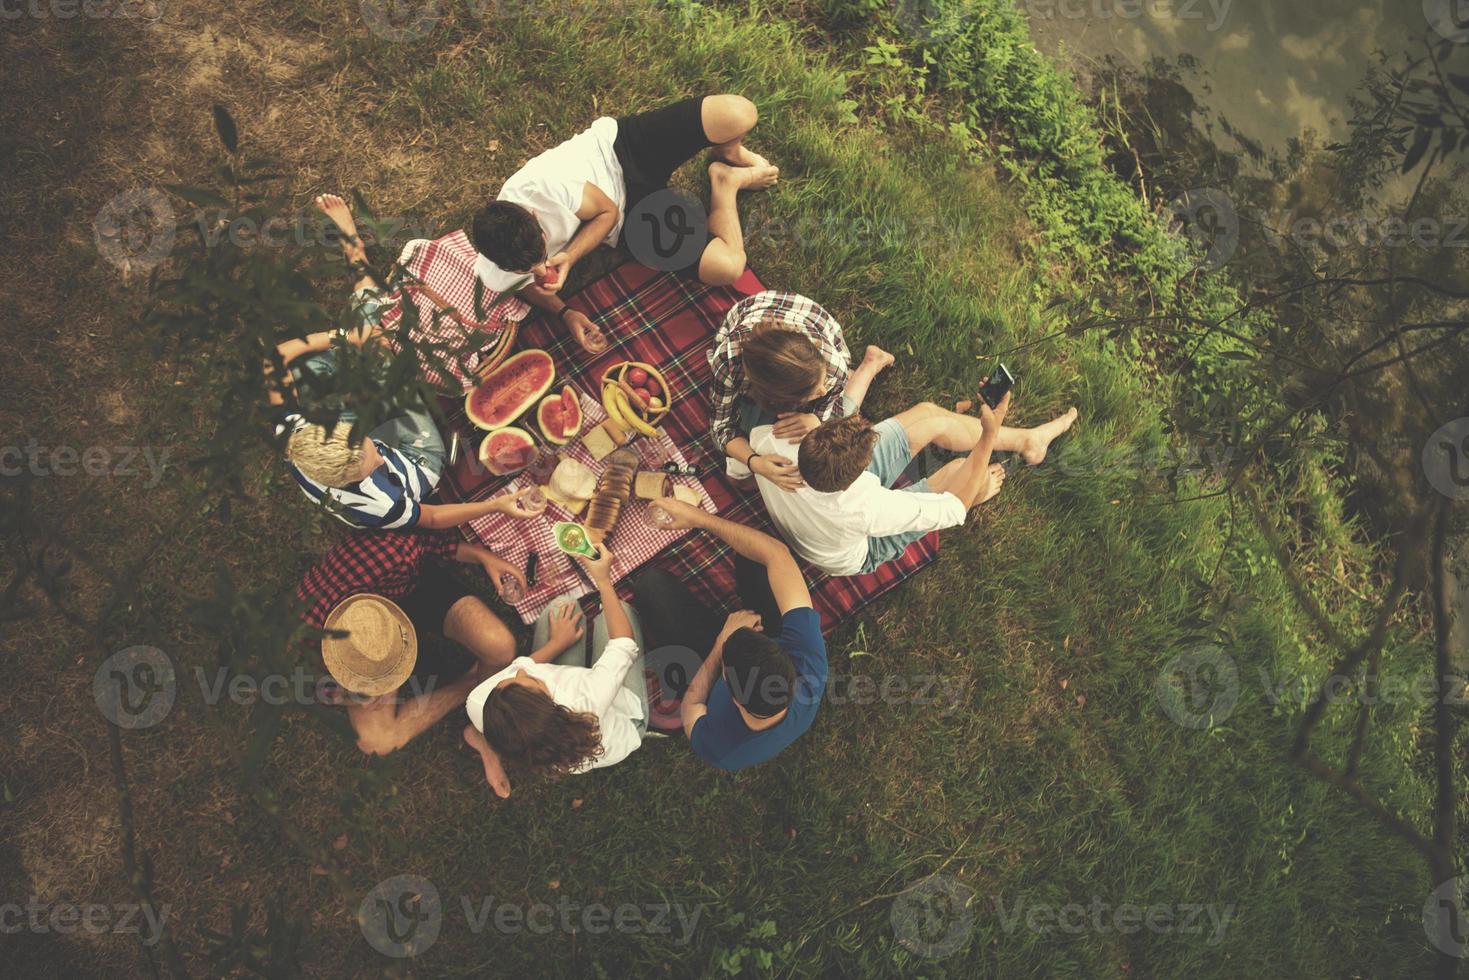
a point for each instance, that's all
(756, 693)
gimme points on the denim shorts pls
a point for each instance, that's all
(890, 457)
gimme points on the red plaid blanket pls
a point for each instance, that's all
(446, 266)
(668, 320)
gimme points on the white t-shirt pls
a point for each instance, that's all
(597, 689)
(830, 530)
(552, 185)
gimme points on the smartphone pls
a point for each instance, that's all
(531, 567)
(999, 385)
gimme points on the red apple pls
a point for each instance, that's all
(637, 377)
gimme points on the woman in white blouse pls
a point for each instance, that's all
(559, 711)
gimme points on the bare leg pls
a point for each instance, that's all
(947, 478)
(724, 259)
(470, 624)
(727, 120)
(874, 363)
(353, 250)
(928, 424)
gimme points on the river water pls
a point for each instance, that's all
(1273, 68)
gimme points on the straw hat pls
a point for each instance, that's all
(380, 649)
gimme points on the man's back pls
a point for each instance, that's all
(830, 530)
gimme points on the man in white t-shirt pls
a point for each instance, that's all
(847, 519)
(578, 195)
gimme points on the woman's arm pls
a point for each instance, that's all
(599, 570)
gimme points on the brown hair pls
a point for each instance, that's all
(527, 727)
(782, 366)
(760, 674)
(835, 453)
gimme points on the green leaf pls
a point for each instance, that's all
(1416, 151)
(224, 124)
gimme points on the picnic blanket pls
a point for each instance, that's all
(668, 320)
(441, 285)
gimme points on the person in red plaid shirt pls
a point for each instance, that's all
(780, 359)
(411, 570)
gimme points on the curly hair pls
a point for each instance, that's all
(509, 236)
(525, 726)
(835, 453)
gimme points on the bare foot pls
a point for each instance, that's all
(740, 156)
(743, 178)
(337, 210)
(877, 359)
(494, 772)
(996, 484)
(1040, 438)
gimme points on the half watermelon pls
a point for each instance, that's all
(507, 451)
(511, 390)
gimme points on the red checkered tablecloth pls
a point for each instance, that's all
(446, 266)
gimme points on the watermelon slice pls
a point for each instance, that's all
(560, 416)
(507, 451)
(511, 390)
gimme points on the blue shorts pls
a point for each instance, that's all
(890, 457)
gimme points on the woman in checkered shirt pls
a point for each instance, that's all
(780, 359)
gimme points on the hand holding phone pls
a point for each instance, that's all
(999, 384)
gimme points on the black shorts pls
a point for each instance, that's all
(427, 606)
(650, 146)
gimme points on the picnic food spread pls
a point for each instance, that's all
(511, 390)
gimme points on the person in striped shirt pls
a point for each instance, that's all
(780, 359)
(383, 481)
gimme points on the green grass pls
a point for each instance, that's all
(1056, 778)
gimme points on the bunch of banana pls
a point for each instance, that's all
(636, 396)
